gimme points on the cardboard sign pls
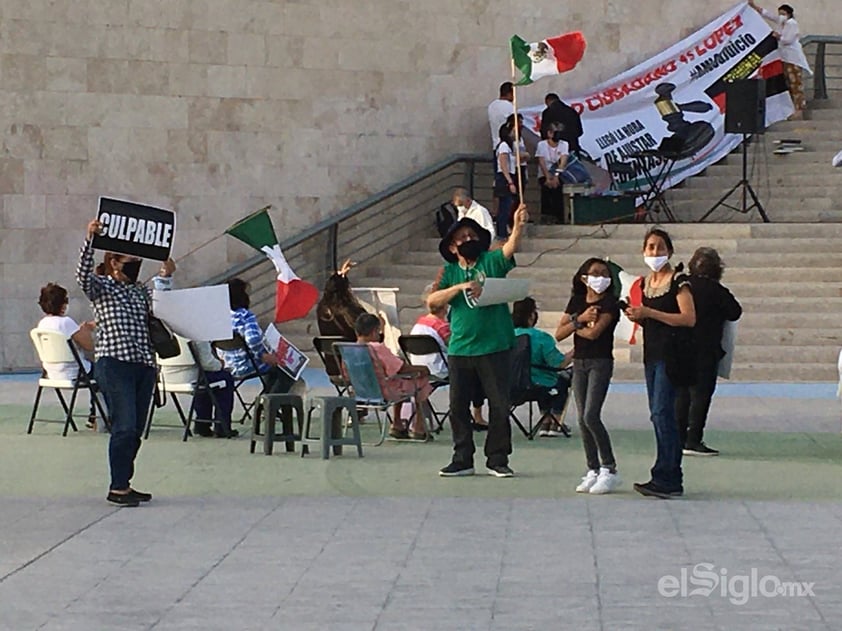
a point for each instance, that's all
(290, 359)
(197, 313)
(135, 229)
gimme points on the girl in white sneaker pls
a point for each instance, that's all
(591, 317)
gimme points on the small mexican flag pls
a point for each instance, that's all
(548, 57)
(293, 297)
(629, 288)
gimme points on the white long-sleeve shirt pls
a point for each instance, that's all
(789, 43)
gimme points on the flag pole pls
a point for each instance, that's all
(517, 135)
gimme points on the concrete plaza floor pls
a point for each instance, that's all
(239, 541)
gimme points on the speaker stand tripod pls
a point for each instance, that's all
(744, 186)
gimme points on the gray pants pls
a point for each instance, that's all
(591, 378)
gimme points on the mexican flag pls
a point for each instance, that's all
(548, 57)
(293, 297)
(629, 288)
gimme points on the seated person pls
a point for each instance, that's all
(244, 323)
(203, 404)
(53, 302)
(547, 362)
(338, 308)
(435, 325)
(416, 381)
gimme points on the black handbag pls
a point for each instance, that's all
(163, 340)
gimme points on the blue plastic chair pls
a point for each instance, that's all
(367, 379)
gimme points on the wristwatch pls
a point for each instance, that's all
(575, 322)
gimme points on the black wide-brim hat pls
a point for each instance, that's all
(444, 245)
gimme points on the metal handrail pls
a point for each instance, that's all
(331, 224)
(820, 64)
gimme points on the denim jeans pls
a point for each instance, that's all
(692, 403)
(224, 397)
(492, 371)
(128, 390)
(506, 204)
(591, 378)
(666, 472)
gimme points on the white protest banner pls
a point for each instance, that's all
(679, 93)
(729, 342)
(135, 229)
(198, 313)
(290, 359)
(383, 301)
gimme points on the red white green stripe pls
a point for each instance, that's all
(548, 57)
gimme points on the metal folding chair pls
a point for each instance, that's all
(523, 391)
(54, 347)
(324, 348)
(415, 347)
(235, 344)
(188, 358)
(367, 379)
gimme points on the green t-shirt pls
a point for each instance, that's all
(479, 330)
(543, 352)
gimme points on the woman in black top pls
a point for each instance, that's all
(667, 315)
(591, 317)
(714, 305)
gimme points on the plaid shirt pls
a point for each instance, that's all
(121, 311)
(245, 323)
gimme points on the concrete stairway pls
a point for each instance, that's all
(788, 278)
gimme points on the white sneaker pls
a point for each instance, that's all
(605, 482)
(587, 482)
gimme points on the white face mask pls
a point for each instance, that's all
(598, 283)
(462, 209)
(782, 19)
(655, 263)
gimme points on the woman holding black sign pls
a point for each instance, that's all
(125, 362)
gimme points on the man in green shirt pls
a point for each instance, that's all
(481, 339)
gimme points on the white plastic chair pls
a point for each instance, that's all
(54, 347)
(186, 359)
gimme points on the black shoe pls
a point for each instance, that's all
(699, 450)
(500, 471)
(650, 489)
(203, 429)
(140, 495)
(126, 499)
(456, 470)
(479, 427)
(230, 433)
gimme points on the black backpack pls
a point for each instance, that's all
(445, 217)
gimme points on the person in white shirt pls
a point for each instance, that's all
(792, 54)
(552, 159)
(499, 110)
(468, 207)
(53, 302)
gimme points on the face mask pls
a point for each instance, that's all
(470, 250)
(132, 270)
(598, 283)
(782, 19)
(462, 209)
(655, 263)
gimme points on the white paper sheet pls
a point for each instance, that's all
(729, 339)
(496, 291)
(199, 313)
(291, 360)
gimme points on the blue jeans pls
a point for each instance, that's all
(128, 390)
(505, 204)
(666, 472)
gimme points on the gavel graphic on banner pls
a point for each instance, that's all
(696, 134)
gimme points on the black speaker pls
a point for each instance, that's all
(745, 106)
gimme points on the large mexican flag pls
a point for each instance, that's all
(293, 297)
(548, 57)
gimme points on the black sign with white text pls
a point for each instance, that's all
(135, 229)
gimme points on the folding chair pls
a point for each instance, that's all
(324, 348)
(367, 380)
(523, 391)
(187, 359)
(54, 347)
(419, 345)
(237, 343)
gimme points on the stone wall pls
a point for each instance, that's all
(217, 107)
